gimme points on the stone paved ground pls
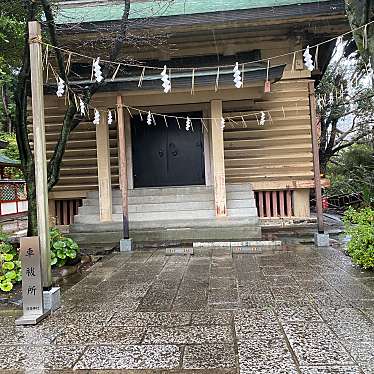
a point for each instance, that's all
(301, 310)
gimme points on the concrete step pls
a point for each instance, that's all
(235, 195)
(161, 225)
(184, 190)
(176, 234)
(158, 191)
(180, 215)
(169, 207)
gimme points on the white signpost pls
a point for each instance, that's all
(32, 289)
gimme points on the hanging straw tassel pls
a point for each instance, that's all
(267, 82)
(193, 82)
(92, 71)
(217, 80)
(45, 59)
(140, 115)
(170, 79)
(68, 63)
(242, 75)
(365, 37)
(179, 125)
(141, 77)
(116, 72)
(293, 62)
(244, 123)
(203, 123)
(316, 58)
(166, 122)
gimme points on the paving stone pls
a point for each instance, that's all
(292, 313)
(315, 344)
(369, 312)
(34, 357)
(253, 286)
(255, 317)
(189, 335)
(220, 283)
(258, 331)
(251, 300)
(206, 356)
(287, 293)
(167, 319)
(211, 318)
(280, 280)
(27, 335)
(330, 370)
(275, 270)
(223, 295)
(130, 357)
(264, 357)
(345, 315)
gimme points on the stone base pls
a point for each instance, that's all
(31, 319)
(52, 299)
(321, 240)
(125, 245)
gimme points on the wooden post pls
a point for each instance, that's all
(218, 158)
(317, 173)
(123, 166)
(41, 180)
(104, 173)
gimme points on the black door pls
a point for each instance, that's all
(167, 155)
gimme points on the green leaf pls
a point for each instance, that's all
(54, 261)
(74, 246)
(59, 245)
(8, 257)
(6, 286)
(61, 254)
(11, 275)
(71, 253)
(8, 266)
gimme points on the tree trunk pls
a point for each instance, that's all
(359, 13)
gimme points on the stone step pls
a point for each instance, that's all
(171, 198)
(202, 233)
(180, 215)
(160, 225)
(184, 190)
(169, 207)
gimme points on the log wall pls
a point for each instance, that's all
(279, 151)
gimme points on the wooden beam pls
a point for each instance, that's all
(317, 173)
(123, 166)
(103, 165)
(218, 163)
(41, 179)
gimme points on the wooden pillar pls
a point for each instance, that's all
(218, 158)
(123, 166)
(103, 165)
(301, 203)
(41, 179)
(315, 147)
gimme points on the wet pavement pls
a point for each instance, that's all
(300, 310)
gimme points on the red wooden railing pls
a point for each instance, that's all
(274, 204)
(13, 197)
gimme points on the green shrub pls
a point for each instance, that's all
(10, 266)
(63, 249)
(359, 225)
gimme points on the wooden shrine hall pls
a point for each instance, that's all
(198, 180)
